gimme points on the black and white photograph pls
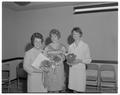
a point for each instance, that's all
(59, 47)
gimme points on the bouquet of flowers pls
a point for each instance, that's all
(39, 59)
(57, 58)
(46, 64)
(70, 58)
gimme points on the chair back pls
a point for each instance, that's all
(21, 73)
(5, 71)
(107, 68)
(107, 71)
(92, 67)
(5, 74)
(92, 70)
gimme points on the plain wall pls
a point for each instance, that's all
(9, 39)
(9, 32)
(100, 30)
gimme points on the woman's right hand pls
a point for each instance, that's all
(45, 69)
(37, 71)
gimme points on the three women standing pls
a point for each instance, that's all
(54, 80)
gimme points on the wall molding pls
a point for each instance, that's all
(11, 59)
(93, 61)
(105, 61)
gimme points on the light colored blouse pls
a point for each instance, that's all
(82, 51)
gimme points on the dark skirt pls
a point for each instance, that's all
(54, 80)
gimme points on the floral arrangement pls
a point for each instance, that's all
(57, 58)
(70, 58)
(45, 65)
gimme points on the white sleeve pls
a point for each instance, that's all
(27, 67)
(87, 59)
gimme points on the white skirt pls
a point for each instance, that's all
(35, 83)
(77, 77)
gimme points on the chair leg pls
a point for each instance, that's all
(116, 87)
(18, 83)
(97, 88)
(100, 87)
(9, 86)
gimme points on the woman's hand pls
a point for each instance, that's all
(44, 69)
(77, 61)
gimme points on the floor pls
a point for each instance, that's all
(22, 89)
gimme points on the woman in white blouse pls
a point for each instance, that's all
(77, 73)
(35, 76)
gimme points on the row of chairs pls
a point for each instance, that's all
(95, 76)
(101, 76)
(20, 74)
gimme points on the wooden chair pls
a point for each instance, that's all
(109, 78)
(21, 75)
(5, 77)
(92, 78)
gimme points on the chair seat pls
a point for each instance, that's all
(107, 79)
(88, 83)
(91, 78)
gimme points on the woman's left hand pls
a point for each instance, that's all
(44, 69)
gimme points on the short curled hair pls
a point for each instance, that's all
(36, 35)
(78, 30)
(55, 32)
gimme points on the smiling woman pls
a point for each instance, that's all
(34, 82)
